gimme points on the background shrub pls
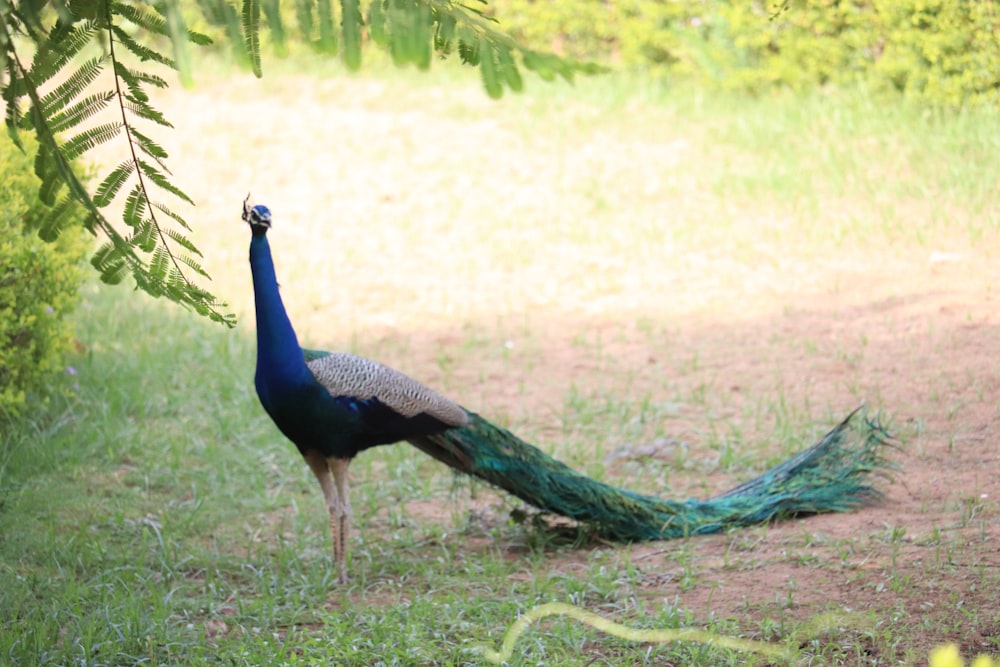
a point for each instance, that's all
(39, 286)
(937, 52)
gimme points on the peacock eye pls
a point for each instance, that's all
(259, 215)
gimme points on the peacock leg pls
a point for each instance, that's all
(339, 468)
(321, 468)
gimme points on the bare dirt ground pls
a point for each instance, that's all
(929, 547)
(913, 331)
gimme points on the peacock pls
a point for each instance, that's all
(333, 405)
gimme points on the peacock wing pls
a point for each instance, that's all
(344, 374)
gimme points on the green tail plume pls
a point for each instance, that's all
(834, 475)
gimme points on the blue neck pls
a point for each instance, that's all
(278, 351)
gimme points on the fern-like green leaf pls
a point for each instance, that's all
(30, 15)
(233, 25)
(49, 188)
(177, 218)
(444, 36)
(159, 265)
(145, 236)
(182, 241)
(158, 24)
(179, 38)
(50, 159)
(150, 148)
(43, 162)
(112, 183)
(174, 278)
(272, 14)
(479, 12)
(377, 30)
(141, 17)
(144, 53)
(421, 36)
(47, 171)
(157, 177)
(194, 265)
(70, 105)
(508, 69)
(488, 69)
(548, 66)
(327, 33)
(84, 109)
(305, 12)
(200, 39)
(62, 11)
(13, 114)
(135, 206)
(251, 34)
(64, 43)
(140, 77)
(540, 64)
(145, 282)
(132, 83)
(350, 25)
(468, 46)
(56, 219)
(409, 28)
(202, 302)
(74, 85)
(467, 29)
(145, 111)
(396, 41)
(110, 261)
(87, 139)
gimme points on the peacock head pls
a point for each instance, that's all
(258, 217)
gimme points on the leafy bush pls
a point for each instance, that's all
(627, 31)
(39, 286)
(814, 42)
(939, 52)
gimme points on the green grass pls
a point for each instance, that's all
(157, 517)
(581, 275)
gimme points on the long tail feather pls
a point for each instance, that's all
(833, 475)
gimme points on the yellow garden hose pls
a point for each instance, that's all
(662, 636)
